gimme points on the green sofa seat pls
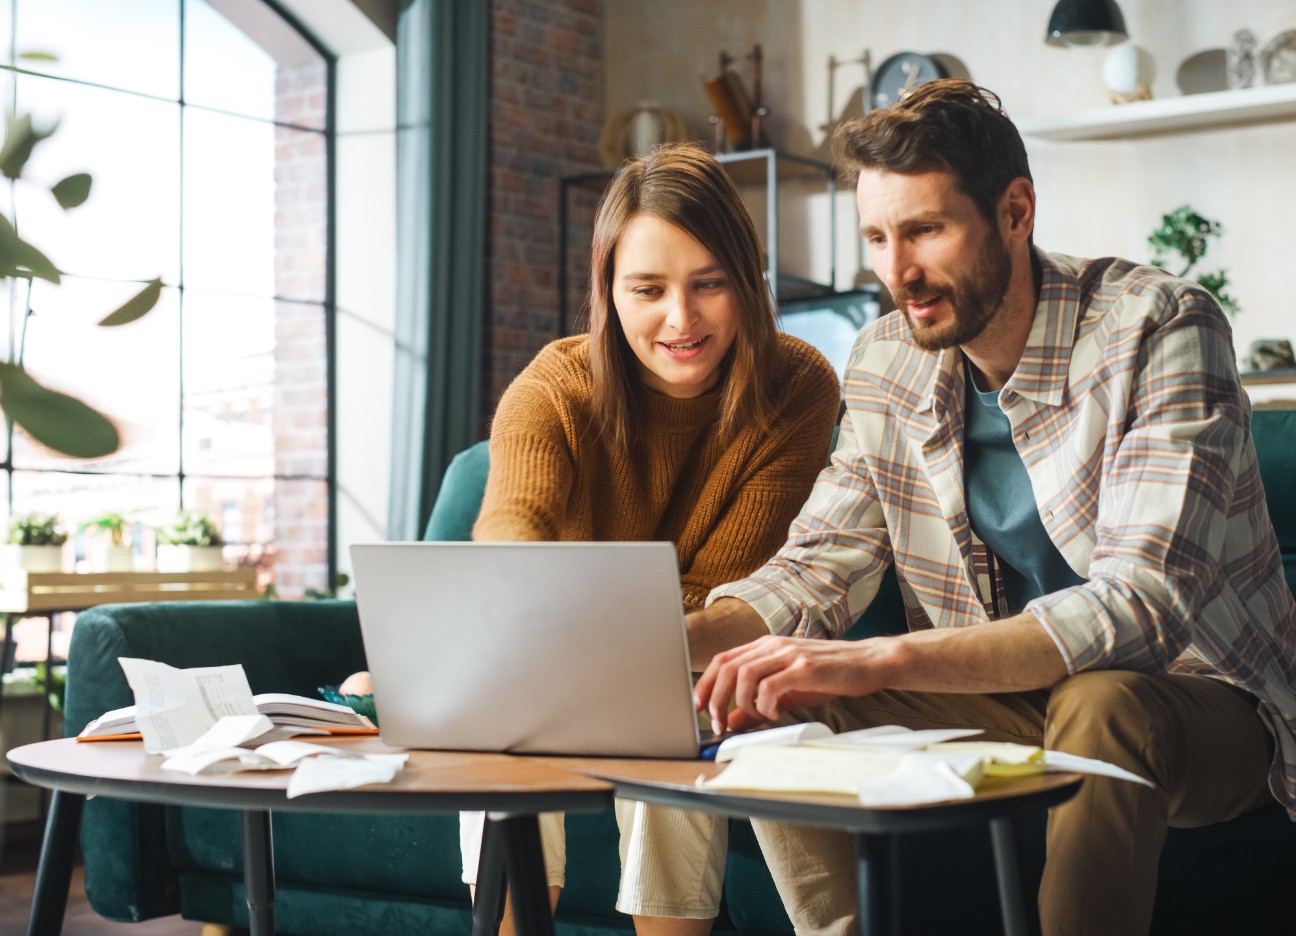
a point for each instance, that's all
(366, 876)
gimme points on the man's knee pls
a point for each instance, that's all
(1108, 714)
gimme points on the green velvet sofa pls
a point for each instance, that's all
(376, 876)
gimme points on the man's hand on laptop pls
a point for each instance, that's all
(759, 681)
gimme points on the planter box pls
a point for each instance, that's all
(33, 558)
(172, 558)
(109, 558)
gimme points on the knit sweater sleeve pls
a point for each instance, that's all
(530, 477)
(774, 478)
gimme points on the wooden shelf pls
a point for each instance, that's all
(22, 591)
(1169, 115)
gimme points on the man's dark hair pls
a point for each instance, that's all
(949, 125)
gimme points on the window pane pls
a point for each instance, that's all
(242, 58)
(129, 44)
(130, 372)
(229, 191)
(128, 228)
(255, 207)
(229, 385)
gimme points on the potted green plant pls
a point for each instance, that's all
(1187, 234)
(112, 552)
(191, 544)
(35, 543)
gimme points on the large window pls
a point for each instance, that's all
(205, 124)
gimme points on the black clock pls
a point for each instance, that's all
(900, 74)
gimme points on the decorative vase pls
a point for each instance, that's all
(173, 558)
(33, 558)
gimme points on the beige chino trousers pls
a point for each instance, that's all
(1199, 740)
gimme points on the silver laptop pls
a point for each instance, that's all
(557, 648)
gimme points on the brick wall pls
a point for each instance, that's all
(300, 556)
(546, 113)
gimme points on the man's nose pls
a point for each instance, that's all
(897, 267)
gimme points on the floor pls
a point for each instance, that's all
(20, 850)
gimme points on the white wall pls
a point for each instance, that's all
(1095, 198)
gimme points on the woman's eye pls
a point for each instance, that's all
(711, 284)
(647, 292)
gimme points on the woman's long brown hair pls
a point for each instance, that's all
(684, 185)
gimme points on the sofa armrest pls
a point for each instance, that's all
(284, 646)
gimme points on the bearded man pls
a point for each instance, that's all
(1056, 455)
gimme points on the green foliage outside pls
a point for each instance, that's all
(36, 529)
(56, 420)
(1187, 234)
(191, 528)
(112, 522)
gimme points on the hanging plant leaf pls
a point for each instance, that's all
(136, 306)
(54, 419)
(20, 138)
(72, 191)
(19, 258)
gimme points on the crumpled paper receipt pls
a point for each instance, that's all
(321, 774)
(227, 748)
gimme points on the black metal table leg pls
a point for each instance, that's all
(54, 873)
(524, 864)
(258, 871)
(878, 913)
(492, 882)
(1012, 901)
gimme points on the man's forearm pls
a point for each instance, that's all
(728, 623)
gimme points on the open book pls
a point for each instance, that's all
(179, 705)
(281, 708)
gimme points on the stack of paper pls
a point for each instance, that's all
(889, 765)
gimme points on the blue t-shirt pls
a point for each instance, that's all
(1001, 503)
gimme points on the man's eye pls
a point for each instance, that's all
(876, 240)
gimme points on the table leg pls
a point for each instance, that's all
(54, 873)
(1012, 902)
(878, 913)
(524, 864)
(258, 871)
(492, 882)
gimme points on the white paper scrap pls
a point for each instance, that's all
(894, 737)
(1060, 761)
(321, 774)
(924, 777)
(174, 707)
(783, 735)
(232, 731)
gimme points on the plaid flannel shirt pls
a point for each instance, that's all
(1127, 411)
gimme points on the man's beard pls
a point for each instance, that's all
(974, 299)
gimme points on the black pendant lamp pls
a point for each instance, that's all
(1086, 23)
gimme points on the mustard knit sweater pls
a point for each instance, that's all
(726, 507)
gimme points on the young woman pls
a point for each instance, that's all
(682, 415)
